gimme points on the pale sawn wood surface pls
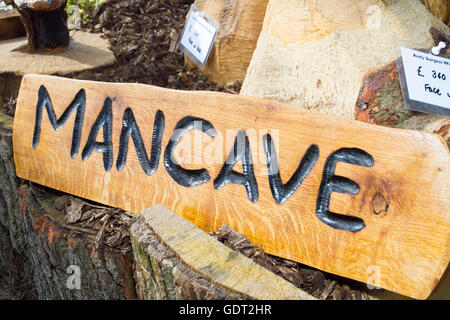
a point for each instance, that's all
(408, 247)
(215, 261)
(240, 25)
(315, 54)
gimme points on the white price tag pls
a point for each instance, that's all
(198, 36)
(427, 79)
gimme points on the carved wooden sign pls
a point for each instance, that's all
(361, 201)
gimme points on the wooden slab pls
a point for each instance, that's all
(215, 261)
(86, 51)
(403, 245)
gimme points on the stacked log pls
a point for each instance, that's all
(315, 54)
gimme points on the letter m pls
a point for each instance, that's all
(79, 103)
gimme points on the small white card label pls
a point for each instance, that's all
(198, 36)
(427, 77)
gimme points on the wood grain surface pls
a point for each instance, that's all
(215, 261)
(403, 198)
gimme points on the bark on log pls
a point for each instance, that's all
(380, 101)
(11, 267)
(315, 54)
(176, 260)
(240, 25)
(160, 274)
(36, 248)
(46, 25)
(57, 252)
(11, 25)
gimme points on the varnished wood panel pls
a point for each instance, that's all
(403, 197)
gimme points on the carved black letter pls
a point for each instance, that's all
(104, 119)
(79, 103)
(184, 177)
(240, 152)
(331, 183)
(281, 192)
(130, 128)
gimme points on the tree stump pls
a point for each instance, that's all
(10, 231)
(380, 102)
(40, 250)
(176, 260)
(439, 8)
(240, 24)
(315, 54)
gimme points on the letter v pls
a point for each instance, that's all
(282, 192)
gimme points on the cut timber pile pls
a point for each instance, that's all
(316, 54)
(240, 25)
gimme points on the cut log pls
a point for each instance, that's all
(315, 54)
(439, 8)
(380, 101)
(58, 253)
(176, 260)
(11, 262)
(87, 51)
(38, 251)
(240, 25)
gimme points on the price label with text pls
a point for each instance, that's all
(427, 78)
(198, 36)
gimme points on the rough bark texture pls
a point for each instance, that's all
(10, 25)
(177, 260)
(13, 263)
(240, 25)
(161, 275)
(315, 54)
(36, 249)
(381, 102)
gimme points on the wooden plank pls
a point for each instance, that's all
(215, 261)
(403, 176)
